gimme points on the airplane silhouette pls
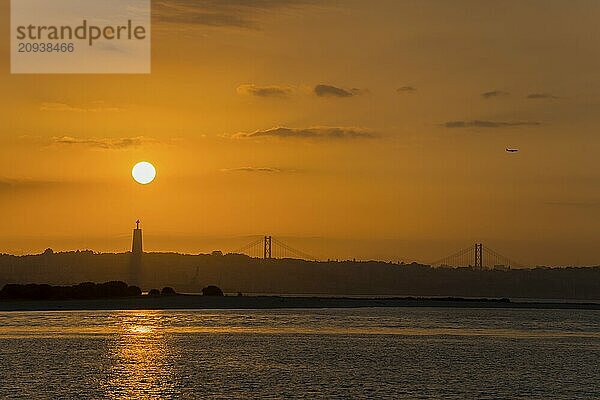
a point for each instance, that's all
(512, 150)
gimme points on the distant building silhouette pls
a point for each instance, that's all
(137, 250)
(136, 245)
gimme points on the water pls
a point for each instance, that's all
(396, 353)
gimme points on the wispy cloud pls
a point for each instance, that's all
(334, 91)
(103, 143)
(266, 170)
(11, 184)
(406, 89)
(574, 204)
(489, 124)
(220, 13)
(97, 106)
(265, 91)
(494, 93)
(537, 96)
(318, 132)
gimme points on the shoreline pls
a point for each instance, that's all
(198, 302)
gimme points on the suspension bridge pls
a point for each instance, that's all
(268, 247)
(478, 257)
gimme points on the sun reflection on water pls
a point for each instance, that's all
(140, 366)
(141, 329)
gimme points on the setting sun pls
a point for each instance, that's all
(143, 172)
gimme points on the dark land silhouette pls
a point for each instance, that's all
(191, 302)
(82, 291)
(235, 273)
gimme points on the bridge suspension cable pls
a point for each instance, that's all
(500, 260)
(283, 250)
(461, 258)
(252, 249)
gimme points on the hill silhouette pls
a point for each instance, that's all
(239, 273)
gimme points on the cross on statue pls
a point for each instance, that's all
(137, 224)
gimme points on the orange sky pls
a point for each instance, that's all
(362, 169)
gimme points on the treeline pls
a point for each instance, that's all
(82, 291)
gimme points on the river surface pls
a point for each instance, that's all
(382, 353)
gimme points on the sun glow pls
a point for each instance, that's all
(143, 172)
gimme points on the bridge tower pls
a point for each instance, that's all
(478, 255)
(267, 247)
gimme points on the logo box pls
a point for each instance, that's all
(80, 36)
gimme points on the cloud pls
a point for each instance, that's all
(219, 13)
(405, 89)
(494, 93)
(535, 96)
(319, 132)
(103, 143)
(96, 106)
(254, 169)
(489, 124)
(574, 204)
(265, 91)
(333, 91)
(10, 184)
